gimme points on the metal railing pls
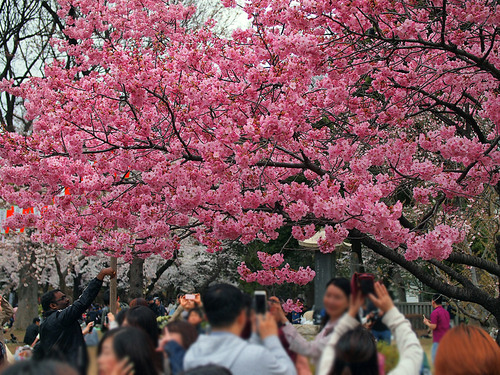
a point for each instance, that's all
(414, 312)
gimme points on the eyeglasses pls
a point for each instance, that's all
(61, 299)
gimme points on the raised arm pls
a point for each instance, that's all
(74, 311)
(410, 350)
(298, 344)
(275, 360)
(346, 323)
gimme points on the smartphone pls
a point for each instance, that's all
(106, 320)
(362, 282)
(190, 296)
(260, 301)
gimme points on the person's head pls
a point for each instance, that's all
(54, 300)
(36, 321)
(129, 342)
(138, 302)
(157, 301)
(183, 332)
(224, 306)
(207, 370)
(45, 367)
(195, 316)
(356, 353)
(437, 300)
(142, 317)
(467, 350)
(336, 297)
(120, 316)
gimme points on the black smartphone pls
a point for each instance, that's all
(260, 301)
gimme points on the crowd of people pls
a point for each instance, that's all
(220, 332)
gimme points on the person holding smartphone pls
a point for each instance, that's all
(226, 310)
(352, 348)
(336, 303)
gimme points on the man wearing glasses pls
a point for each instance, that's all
(60, 333)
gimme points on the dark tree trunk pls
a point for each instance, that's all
(398, 283)
(356, 257)
(27, 291)
(136, 278)
(160, 272)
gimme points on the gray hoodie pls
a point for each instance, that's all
(239, 356)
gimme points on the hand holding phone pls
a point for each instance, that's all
(362, 282)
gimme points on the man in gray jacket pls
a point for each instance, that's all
(226, 312)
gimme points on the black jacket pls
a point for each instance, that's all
(60, 333)
(31, 333)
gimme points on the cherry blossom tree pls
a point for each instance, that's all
(376, 120)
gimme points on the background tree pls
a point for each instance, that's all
(377, 121)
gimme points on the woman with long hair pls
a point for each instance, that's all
(336, 303)
(127, 350)
(144, 318)
(352, 349)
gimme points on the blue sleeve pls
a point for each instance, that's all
(175, 354)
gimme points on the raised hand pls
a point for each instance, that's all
(381, 299)
(106, 272)
(266, 325)
(276, 310)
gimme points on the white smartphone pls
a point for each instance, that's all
(260, 301)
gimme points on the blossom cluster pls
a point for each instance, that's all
(292, 306)
(311, 118)
(271, 274)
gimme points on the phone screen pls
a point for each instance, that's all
(260, 302)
